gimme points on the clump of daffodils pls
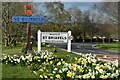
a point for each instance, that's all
(43, 56)
(84, 67)
(47, 66)
(14, 60)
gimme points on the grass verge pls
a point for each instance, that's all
(17, 71)
(109, 46)
(9, 71)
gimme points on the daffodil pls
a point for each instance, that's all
(79, 60)
(45, 76)
(60, 71)
(59, 63)
(35, 72)
(85, 62)
(50, 74)
(104, 76)
(55, 69)
(58, 76)
(93, 64)
(75, 58)
(92, 76)
(97, 68)
(81, 70)
(63, 62)
(69, 74)
(101, 71)
(74, 68)
(102, 67)
(41, 76)
(51, 62)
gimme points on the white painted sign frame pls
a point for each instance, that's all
(40, 40)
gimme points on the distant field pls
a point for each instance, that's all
(110, 46)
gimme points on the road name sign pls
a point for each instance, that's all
(54, 37)
(35, 19)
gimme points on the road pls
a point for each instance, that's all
(85, 48)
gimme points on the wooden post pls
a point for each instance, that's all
(28, 12)
(29, 44)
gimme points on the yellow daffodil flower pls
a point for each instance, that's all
(79, 60)
(81, 70)
(102, 67)
(74, 68)
(93, 64)
(63, 62)
(85, 62)
(75, 58)
(69, 74)
(50, 74)
(51, 62)
(58, 76)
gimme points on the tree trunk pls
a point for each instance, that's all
(103, 41)
(10, 40)
(6, 42)
(6, 37)
(109, 39)
(83, 40)
(91, 40)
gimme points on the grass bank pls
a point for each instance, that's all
(110, 46)
(17, 71)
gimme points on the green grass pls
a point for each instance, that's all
(0, 48)
(17, 71)
(109, 46)
(12, 50)
(9, 71)
(65, 55)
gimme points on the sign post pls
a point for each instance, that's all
(69, 42)
(29, 19)
(28, 12)
(39, 41)
(28, 39)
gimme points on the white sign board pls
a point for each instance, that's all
(54, 37)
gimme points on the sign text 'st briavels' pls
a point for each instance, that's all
(54, 37)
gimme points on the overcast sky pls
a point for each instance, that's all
(81, 5)
(71, 0)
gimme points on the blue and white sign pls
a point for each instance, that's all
(35, 19)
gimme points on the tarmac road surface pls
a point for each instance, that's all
(85, 48)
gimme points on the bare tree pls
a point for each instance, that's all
(11, 31)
